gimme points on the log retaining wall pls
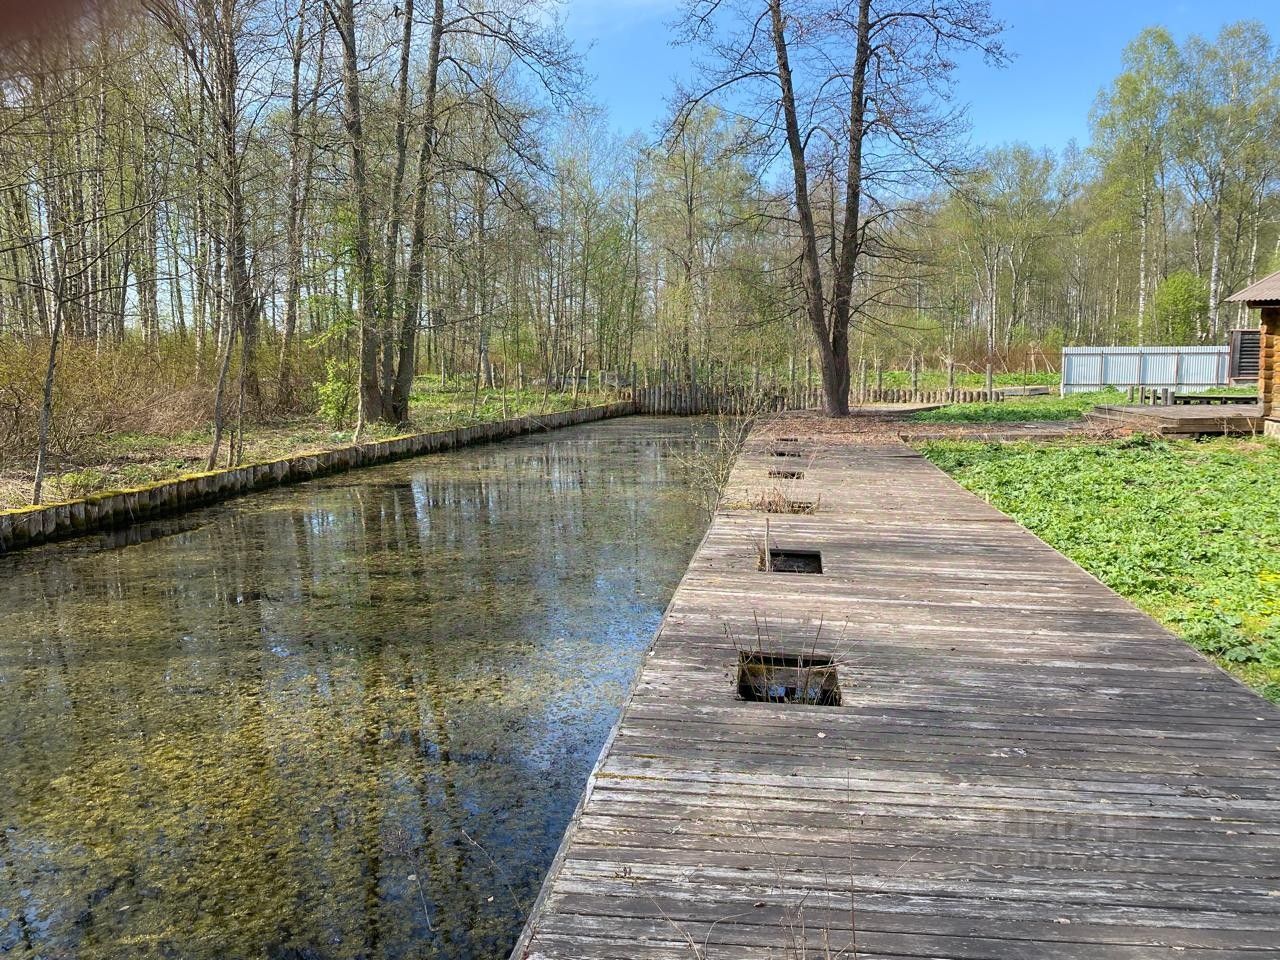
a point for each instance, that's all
(118, 508)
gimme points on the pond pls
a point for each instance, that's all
(347, 719)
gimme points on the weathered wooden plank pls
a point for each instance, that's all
(1023, 765)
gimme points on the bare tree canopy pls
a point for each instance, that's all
(859, 90)
(334, 210)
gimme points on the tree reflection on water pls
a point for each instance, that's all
(346, 719)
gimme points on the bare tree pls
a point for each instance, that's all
(518, 36)
(370, 405)
(407, 341)
(210, 34)
(790, 58)
(302, 153)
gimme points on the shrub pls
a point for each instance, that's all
(1180, 305)
(336, 394)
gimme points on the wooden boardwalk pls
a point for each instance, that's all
(1185, 420)
(1024, 765)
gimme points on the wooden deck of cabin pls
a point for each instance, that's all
(1185, 420)
(1024, 765)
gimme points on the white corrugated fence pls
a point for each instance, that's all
(1182, 368)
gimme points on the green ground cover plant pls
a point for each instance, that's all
(964, 380)
(1020, 410)
(434, 406)
(1245, 393)
(1189, 531)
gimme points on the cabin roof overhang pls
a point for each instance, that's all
(1263, 293)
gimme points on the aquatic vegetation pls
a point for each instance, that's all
(341, 720)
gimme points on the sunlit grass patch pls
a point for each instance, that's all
(118, 459)
(1020, 410)
(966, 379)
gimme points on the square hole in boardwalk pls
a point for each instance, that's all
(786, 453)
(792, 561)
(788, 678)
(787, 474)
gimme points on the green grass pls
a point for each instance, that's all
(123, 444)
(128, 459)
(1020, 410)
(1190, 532)
(1249, 391)
(937, 379)
(433, 407)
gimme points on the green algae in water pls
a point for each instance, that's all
(349, 719)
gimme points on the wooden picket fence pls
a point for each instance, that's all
(685, 398)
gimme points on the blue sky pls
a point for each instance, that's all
(1064, 53)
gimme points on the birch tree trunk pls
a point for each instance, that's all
(1142, 264)
(1215, 267)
